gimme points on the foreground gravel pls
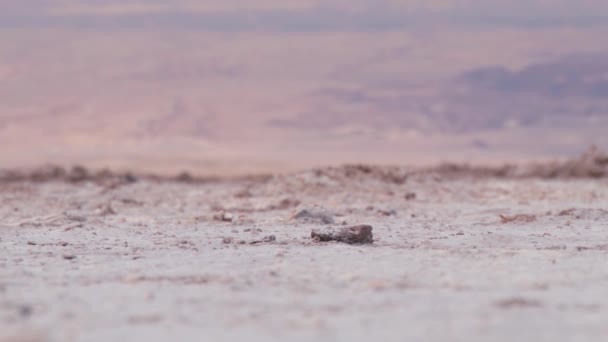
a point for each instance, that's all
(466, 259)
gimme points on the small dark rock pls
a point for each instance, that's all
(360, 234)
(69, 256)
(317, 215)
(410, 196)
(266, 239)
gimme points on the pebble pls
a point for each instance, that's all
(69, 256)
(360, 234)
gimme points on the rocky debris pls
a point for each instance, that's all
(223, 217)
(265, 239)
(392, 175)
(77, 174)
(316, 215)
(360, 234)
(69, 256)
(410, 196)
(593, 163)
(519, 218)
(188, 178)
(585, 213)
(454, 170)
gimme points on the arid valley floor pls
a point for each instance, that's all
(463, 257)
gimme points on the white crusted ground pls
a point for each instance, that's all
(153, 261)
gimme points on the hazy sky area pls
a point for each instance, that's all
(301, 15)
(257, 85)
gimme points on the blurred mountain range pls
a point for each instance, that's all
(567, 91)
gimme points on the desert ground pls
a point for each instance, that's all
(458, 254)
(261, 102)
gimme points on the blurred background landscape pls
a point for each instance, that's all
(232, 86)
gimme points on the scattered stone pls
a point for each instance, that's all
(520, 218)
(265, 239)
(317, 215)
(223, 216)
(31, 243)
(360, 234)
(69, 256)
(393, 175)
(410, 196)
(585, 213)
(227, 240)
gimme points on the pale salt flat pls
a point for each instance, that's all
(149, 262)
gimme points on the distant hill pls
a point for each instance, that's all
(568, 91)
(580, 76)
